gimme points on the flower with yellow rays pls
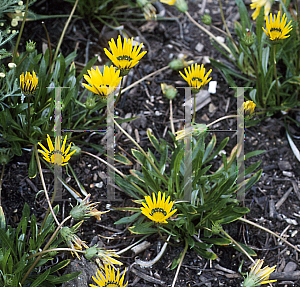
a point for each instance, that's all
(258, 276)
(194, 129)
(58, 155)
(249, 107)
(86, 209)
(277, 29)
(148, 9)
(28, 83)
(125, 56)
(158, 210)
(169, 2)
(258, 4)
(110, 279)
(102, 84)
(106, 256)
(195, 77)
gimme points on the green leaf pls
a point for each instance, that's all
(122, 159)
(260, 21)
(139, 156)
(205, 254)
(64, 278)
(149, 180)
(88, 66)
(254, 153)
(154, 141)
(2, 219)
(245, 21)
(41, 278)
(129, 219)
(217, 241)
(32, 171)
(265, 59)
(250, 251)
(7, 242)
(143, 228)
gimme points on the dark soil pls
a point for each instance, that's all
(163, 42)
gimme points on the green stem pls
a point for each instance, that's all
(180, 262)
(44, 249)
(221, 119)
(171, 118)
(45, 189)
(28, 120)
(55, 249)
(194, 110)
(1, 178)
(208, 33)
(238, 245)
(63, 34)
(20, 34)
(269, 231)
(275, 74)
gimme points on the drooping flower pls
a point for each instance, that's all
(149, 10)
(102, 84)
(28, 83)
(125, 56)
(258, 276)
(277, 29)
(110, 279)
(102, 256)
(58, 154)
(258, 4)
(249, 107)
(86, 209)
(195, 77)
(158, 210)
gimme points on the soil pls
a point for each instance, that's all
(164, 40)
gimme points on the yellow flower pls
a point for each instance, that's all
(258, 276)
(124, 56)
(195, 76)
(28, 83)
(249, 107)
(111, 279)
(195, 129)
(102, 84)
(277, 29)
(169, 2)
(148, 9)
(58, 155)
(258, 4)
(158, 210)
(105, 255)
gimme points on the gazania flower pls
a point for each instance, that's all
(148, 9)
(158, 210)
(195, 76)
(249, 107)
(59, 154)
(86, 209)
(102, 84)
(169, 2)
(110, 279)
(277, 29)
(124, 56)
(258, 4)
(195, 129)
(106, 256)
(28, 83)
(258, 276)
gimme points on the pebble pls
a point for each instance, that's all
(199, 47)
(290, 267)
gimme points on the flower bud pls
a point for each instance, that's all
(90, 102)
(169, 91)
(177, 64)
(249, 39)
(206, 19)
(30, 46)
(181, 5)
(91, 252)
(249, 107)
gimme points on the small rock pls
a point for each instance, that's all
(199, 47)
(220, 39)
(290, 267)
(212, 87)
(284, 165)
(287, 173)
(99, 184)
(212, 108)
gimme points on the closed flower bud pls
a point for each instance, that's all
(90, 102)
(249, 39)
(30, 46)
(249, 107)
(177, 64)
(206, 19)
(169, 91)
(181, 5)
(90, 252)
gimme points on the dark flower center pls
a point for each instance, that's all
(276, 29)
(154, 210)
(124, 57)
(197, 79)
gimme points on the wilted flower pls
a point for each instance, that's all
(276, 29)
(158, 210)
(258, 4)
(28, 82)
(195, 129)
(58, 155)
(105, 255)
(195, 77)
(258, 276)
(125, 56)
(168, 90)
(148, 9)
(110, 279)
(72, 239)
(102, 84)
(2, 75)
(11, 65)
(249, 107)
(85, 210)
